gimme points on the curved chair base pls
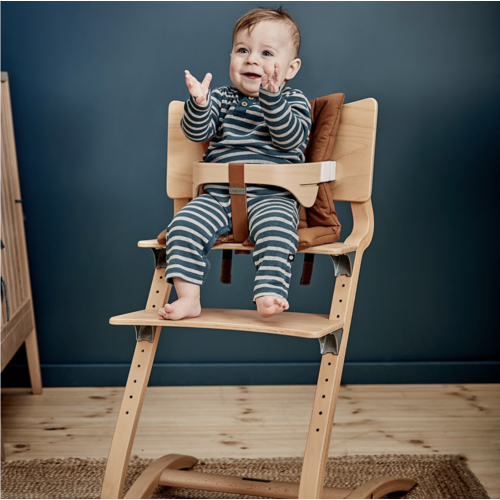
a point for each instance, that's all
(165, 472)
(381, 486)
(147, 482)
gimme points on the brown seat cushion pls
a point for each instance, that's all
(319, 224)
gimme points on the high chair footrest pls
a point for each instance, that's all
(287, 323)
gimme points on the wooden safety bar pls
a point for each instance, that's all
(301, 179)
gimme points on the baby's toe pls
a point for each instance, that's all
(168, 308)
(165, 311)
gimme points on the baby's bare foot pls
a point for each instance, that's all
(268, 305)
(184, 307)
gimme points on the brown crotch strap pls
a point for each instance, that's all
(307, 269)
(238, 193)
(225, 272)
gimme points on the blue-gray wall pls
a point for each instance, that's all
(90, 86)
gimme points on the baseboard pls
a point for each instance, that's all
(448, 372)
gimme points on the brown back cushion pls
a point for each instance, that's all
(325, 117)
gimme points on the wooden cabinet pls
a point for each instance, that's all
(18, 321)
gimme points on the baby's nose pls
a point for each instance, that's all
(251, 59)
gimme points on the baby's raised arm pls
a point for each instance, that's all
(288, 115)
(271, 82)
(198, 90)
(201, 111)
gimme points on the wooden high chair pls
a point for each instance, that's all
(352, 170)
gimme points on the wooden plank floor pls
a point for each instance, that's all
(262, 421)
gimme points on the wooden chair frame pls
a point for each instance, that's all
(353, 154)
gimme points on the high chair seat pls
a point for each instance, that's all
(337, 248)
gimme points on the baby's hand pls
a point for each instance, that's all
(272, 82)
(198, 90)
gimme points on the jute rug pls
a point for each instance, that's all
(438, 476)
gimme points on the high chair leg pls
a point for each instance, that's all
(320, 428)
(128, 418)
(330, 374)
(135, 390)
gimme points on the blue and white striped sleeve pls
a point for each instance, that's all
(288, 117)
(199, 123)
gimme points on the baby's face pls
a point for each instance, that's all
(257, 52)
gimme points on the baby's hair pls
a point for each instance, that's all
(256, 16)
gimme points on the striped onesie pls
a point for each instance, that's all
(271, 128)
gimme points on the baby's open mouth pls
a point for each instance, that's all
(254, 76)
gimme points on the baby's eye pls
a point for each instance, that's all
(267, 53)
(242, 51)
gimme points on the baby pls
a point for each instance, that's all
(257, 120)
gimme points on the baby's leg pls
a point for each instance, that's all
(190, 237)
(273, 225)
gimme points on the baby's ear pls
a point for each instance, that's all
(293, 68)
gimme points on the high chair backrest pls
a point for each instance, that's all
(354, 151)
(180, 155)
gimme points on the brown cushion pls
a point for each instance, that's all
(322, 213)
(303, 218)
(323, 225)
(325, 117)
(314, 236)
